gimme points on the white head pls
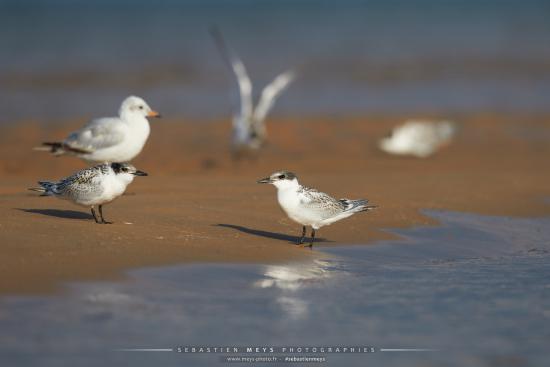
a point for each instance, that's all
(281, 180)
(126, 172)
(133, 107)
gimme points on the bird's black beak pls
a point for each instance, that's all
(140, 173)
(264, 180)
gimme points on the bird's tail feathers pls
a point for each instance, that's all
(58, 148)
(55, 148)
(46, 188)
(361, 205)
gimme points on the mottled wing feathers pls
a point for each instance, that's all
(328, 207)
(318, 201)
(83, 182)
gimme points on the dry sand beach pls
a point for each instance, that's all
(198, 205)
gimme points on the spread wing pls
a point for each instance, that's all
(97, 134)
(324, 204)
(237, 66)
(270, 94)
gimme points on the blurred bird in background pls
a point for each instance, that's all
(418, 138)
(249, 130)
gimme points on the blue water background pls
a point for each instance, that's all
(64, 59)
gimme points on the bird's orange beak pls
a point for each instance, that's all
(153, 114)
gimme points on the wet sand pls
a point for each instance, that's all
(474, 288)
(198, 205)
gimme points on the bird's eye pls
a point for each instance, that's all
(141, 107)
(125, 169)
(281, 177)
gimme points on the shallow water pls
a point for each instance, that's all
(476, 289)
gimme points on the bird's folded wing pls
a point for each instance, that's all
(326, 205)
(82, 182)
(97, 134)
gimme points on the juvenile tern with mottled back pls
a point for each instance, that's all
(92, 186)
(249, 129)
(109, 139)
(310, 207)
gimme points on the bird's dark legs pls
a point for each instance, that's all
(312, 237)
(103, 221)
(95, 218)
(301, 241)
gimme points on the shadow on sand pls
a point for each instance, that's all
(67, 214)
(274, 235)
